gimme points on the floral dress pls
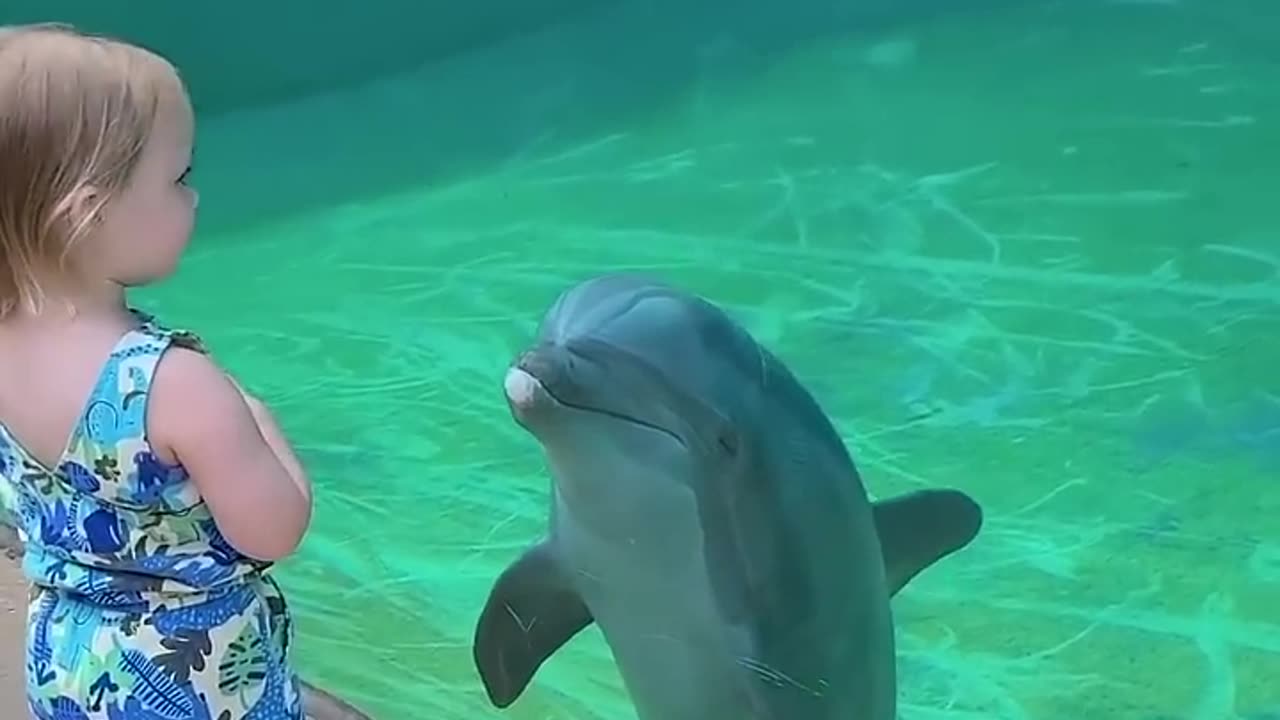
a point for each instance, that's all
(140, 609)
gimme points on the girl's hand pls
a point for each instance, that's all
(237, 385)
(256, 406)
(271, 432)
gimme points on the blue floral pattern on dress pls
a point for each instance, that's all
(140, 609)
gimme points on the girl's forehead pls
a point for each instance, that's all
(175, 121)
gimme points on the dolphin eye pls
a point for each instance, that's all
(727, 440)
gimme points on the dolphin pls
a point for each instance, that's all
(317, 704)
(706, 516)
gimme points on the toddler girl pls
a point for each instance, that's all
(153, 492)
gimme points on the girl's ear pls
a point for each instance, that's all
(84, 206)
(81, 211)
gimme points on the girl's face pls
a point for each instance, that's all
(146, 227)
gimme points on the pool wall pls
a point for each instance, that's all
(238, 54)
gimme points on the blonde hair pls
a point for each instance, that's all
(75, 114)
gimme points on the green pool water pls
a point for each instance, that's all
(1032, 252)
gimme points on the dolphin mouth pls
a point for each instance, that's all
(527, 386)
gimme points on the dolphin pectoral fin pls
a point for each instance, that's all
(318, 704)
(532, 611)
(920, 528)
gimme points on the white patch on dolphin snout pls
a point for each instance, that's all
(521, 388)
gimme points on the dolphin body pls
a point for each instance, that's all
(707, 517)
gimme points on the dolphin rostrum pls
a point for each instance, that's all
(707, 517)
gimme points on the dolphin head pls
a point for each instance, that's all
(629, 373)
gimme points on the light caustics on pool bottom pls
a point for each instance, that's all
(1105, 394)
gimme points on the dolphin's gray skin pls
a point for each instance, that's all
(707, 517)
(317, 704)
